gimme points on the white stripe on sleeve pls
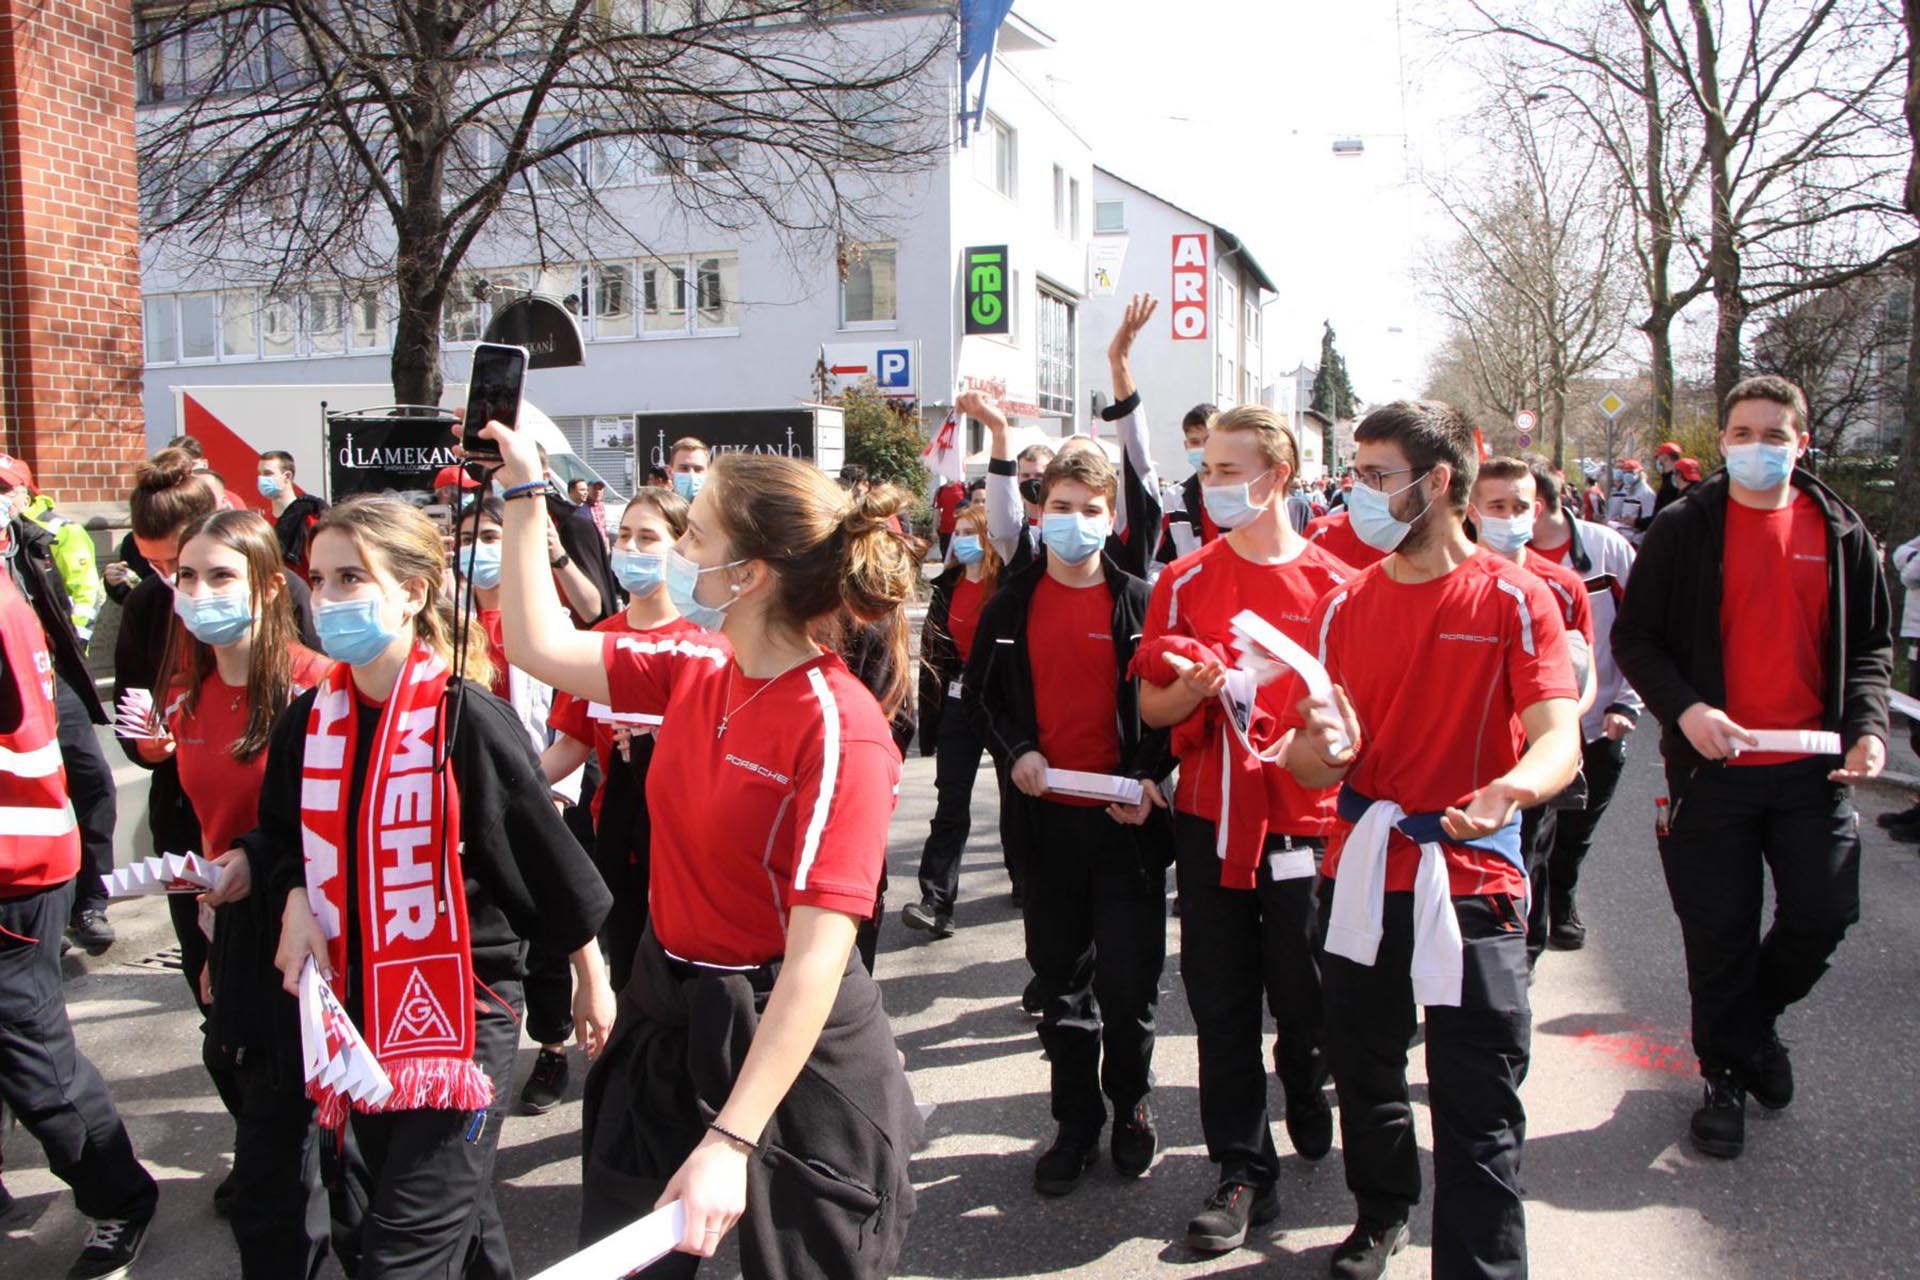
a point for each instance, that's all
(829, 776)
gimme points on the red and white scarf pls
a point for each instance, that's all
(416, 957)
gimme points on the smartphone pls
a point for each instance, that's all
(493, 395)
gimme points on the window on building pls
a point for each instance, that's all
(869, 286)
(367, 321)
(625, 162)
(1109, 215)
(463, 315)
(1253, 323)
(1226, 303)
(1059, 200)
(1073, 208)
(663, 292)
(716, 280)
(279, 326)
(180, 57)
(326, 322)
(566, 171)
(1249, 386)
(1227, 385)
(610, 306)
(240, 324)
(994, 149)
(199, 326)
(162, 331)
(1054, 322)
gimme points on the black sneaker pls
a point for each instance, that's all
(546, 1084)
(1769, 1078)
(1310, 1124)
(921, 915)
(1222, 1222)
(1908, 817)
(1031, 1002)
(111, 1249)
(223, 1197)
(1720, 1125)
(1569, 932)
(91, 932)
(1134, 1142)
(1061, 1167)
(1363, 1254)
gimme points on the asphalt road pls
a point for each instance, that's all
(1825, 1189)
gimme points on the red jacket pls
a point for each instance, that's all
(39, 837)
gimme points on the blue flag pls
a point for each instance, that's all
(979, 23)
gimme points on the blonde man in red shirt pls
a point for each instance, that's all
(1452, 709)
(1759, 604)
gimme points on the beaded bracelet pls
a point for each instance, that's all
(746, 1145)
(527, 490)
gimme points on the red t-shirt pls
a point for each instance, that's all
(1569, 592)
(963, 614)
(1335, 533)
(947, 501)
(1197, 596)
(1070, 651)
(789, 808)
(568, 714)
(492, 627)
(226, 792)
(1773, 620)
(1437, 673)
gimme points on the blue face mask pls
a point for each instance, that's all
(640, 572)
(480, 562)
(1370, 513)
(688, 484)
(1759, 466)
(683, 578)
(269, 487)
(967, 548)
(1074, 537)
(352, 631)
(1195, 457)
(216, 619)
(1505, 536)
(1230, 506)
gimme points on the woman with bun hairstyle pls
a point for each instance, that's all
(771, 787)
(946, 731)
(622, 830)
(408, 844)
(233, 662)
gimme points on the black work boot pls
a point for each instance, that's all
(1061, 1167)
(1363, 1254)
(1769, 1077)
(1223, 1221)
(1720, 1125)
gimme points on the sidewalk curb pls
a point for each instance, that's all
(141, 927)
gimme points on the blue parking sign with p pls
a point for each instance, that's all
(894, 367)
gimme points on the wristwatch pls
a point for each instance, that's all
(562, 562)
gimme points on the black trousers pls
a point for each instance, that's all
(1476, 1058)
(956, 764)
(46, 1081)
(1238, 946)
(1017, 835)
(1096, 941)
(1602, 761)
(432, 1212)
(1537, 826)
(549, 988)
(286, 1220)
(90, 787)
(183, 910)
(1729, 826)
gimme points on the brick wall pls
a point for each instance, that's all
(70, 342)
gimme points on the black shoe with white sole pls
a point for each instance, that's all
(111, 1249)
(1223, 1221)
(924, 916)
(1363, 1254)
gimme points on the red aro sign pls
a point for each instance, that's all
(1190, 286)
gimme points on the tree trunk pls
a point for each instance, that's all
(1659, 330)
(1906, 490)
(1723, 254)
(1660, 309)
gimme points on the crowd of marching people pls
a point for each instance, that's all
(558, 770)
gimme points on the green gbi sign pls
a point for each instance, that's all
(989, 310)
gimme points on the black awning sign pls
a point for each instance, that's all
(544, 327)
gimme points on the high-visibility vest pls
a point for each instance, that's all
(39, 836)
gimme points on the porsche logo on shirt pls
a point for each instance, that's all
(760, 769)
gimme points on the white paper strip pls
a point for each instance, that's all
(162, 873)
(1094, 786)
(1263, 646)
(627, 1250)
(601, 711)
(133, 716)
(1810, 742)
(333, 1055)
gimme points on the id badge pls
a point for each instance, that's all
(953, 689)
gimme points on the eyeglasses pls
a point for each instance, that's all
(1376, 479)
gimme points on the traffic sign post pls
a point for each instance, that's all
(1612, 406)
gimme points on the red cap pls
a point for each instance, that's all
(1630, 464)
(16, 474)
(1688, 469)
(454, 475)
(1667, 450)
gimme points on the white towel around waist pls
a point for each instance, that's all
(1359, 899)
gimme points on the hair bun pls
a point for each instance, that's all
(167, 469)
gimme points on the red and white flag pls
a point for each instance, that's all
(943, 456)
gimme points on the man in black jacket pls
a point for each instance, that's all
(1758, 606)
(1047, 689)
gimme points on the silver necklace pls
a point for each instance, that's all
(727, 717)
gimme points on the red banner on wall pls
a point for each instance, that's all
(1190, 268)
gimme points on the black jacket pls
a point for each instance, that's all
(940, 663)
(527, 878)
(999, 676)
(38, 578)
(868, 652)
(290, 528)
(586, 546)
(1667, 637)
